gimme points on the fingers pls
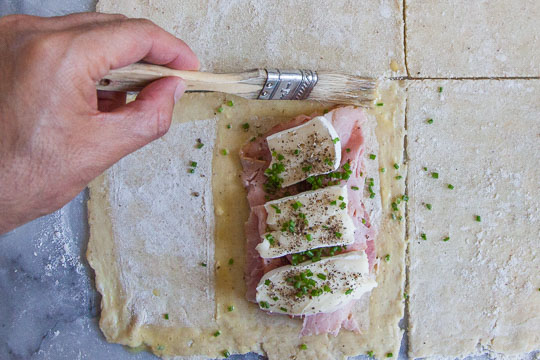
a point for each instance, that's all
(132, 40)
(134, 125)
(77, 19)
(61, 22)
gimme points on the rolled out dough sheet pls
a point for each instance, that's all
(149, 235)
(357, 37)
(480, 290)
(478, 38)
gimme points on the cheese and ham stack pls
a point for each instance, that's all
(310, 234)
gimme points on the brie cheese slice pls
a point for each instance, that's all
(312, 148)
(309, 220)
(316, 287)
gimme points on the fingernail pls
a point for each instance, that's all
(180, 89)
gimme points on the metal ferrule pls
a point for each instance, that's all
(288, 84)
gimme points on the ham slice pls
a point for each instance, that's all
(255, 158)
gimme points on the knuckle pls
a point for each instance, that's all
(45, 46)
(146, 25)
(160, 123)
(118, 17)
(142, 22)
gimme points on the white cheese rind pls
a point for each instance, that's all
(320, 215)
(347, 275)
(312, 148)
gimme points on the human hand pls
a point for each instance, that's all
(57, 132)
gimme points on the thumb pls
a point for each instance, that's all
(137, 123)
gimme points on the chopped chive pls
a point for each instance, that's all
(370, 353)
(335, 140)
(405, 198)
(435, 175)
(217, 333)
(383, 170)
(440, 89)
(280, 157)
(423, 236)
(199, 145)
(203, 264)
(283, 309)
(451, 187)
(296, 205)
(193, 164)
(160, 347)
(308, 237)
(428, 206)
(220, 109)
(338, 234)
(191, 171)
(231, 261)
(275, 207)
(296, 152)
(396, 166)
(342, 206)
(321, 276)
(303, 347)
(230, 103)
(333, 202)
(478, 218)
(348, 150)
(340, 197)
(275, 298)
(267, 282)
(372, 156)
(166, 316)
(230, 308)
(380, 104)
(229, 126)
(372, 195)
(399, 177)
(446, 238)
(224, 152)
(405, 295)
(270, 239)
(425, 168)
(264, 305)
(226, 353)
(389, 355)
(326, 288)
(355, 188)
(348, 292)
(307, 168)
(245, 126)
(430, 121)
(387, 258)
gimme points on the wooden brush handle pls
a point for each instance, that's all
(136, 76)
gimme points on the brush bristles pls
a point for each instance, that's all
(344, 89)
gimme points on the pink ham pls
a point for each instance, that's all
(256, 266)
(255, 157)
(330, 323)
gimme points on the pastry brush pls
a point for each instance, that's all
(262, 84)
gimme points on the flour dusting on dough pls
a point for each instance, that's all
(163, 227)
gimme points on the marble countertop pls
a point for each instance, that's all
(48, 303)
